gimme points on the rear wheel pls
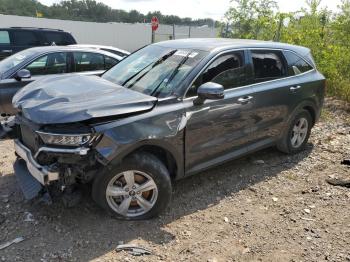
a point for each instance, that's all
(139, 188)
(297, 135)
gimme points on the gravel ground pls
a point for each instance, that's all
(265, 207)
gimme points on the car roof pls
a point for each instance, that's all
(47, 49)
(219, 44)
(34, 29)
(102, 47)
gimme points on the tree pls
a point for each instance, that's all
(252, 19)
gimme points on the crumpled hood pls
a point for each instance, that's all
(67, 99)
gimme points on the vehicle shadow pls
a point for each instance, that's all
(88, 232)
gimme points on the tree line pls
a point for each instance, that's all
(92, 11)
(326, 33)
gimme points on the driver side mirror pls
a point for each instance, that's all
(209, 90)
(23, 73)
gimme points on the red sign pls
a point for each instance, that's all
(155, 23)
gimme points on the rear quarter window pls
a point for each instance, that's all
(110, 62)
(296, 64)
(59, 38)
(4, 38)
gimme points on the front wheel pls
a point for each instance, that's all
(140, 188)
(297, 135)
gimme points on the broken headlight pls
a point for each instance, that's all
(67, 139)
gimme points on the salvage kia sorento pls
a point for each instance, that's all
(167, 111)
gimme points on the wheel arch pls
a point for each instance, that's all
(165, 152)
(310, 106)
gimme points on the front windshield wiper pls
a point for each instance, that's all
(152, 65)
(173, 74)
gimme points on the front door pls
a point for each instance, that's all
(219, 130)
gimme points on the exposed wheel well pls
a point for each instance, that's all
(163, 155)
(312, 112)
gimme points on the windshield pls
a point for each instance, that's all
(15, 59)
(155, 70)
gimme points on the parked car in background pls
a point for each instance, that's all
(15, 39)
(167, 111)
(35, 63)
(119, 52)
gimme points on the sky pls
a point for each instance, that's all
(195, 8)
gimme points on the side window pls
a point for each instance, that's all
(58, 38)
(268, 65)
(4, 38)
(110, 62)
(25, 38)
(85, 61)
(227, 70)
(55, 63)
(296, 64)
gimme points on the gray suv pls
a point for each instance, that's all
(167, 111)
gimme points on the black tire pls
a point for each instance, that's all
(143, 162)
(285, 144)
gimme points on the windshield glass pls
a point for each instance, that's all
(155, 70)
(14, 60)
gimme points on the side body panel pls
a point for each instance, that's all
(163, 127)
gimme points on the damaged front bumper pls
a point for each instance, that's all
(32, 176)
(40, 173)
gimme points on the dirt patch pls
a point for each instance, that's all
(279, 208)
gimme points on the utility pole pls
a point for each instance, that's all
(173, 31)
(153, 36)
(189, 31)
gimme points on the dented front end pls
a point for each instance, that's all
(68, 154)
(62, 155)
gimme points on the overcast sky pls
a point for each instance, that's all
(195, 8)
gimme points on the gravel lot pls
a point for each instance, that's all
(265, 207)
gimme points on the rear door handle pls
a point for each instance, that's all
(245, 100)
(6, 51)
(294, 88)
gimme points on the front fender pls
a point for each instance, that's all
(122, 137)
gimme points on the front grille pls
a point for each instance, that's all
(29, 138)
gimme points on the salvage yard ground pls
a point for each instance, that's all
(264, 207)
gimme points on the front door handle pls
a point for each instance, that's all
(6, 51)
(245, 100)
(294, 88)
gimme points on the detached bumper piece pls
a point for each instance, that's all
(30, 175)
(28, 184)
(7, 130)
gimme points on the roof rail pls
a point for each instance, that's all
(40, 28)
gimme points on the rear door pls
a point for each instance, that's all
(23, 39)
(219, 130)
(5, 44)
(276, 94)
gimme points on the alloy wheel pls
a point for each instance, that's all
(299, 132)
(131, 193)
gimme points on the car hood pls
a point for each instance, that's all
(62, 99)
